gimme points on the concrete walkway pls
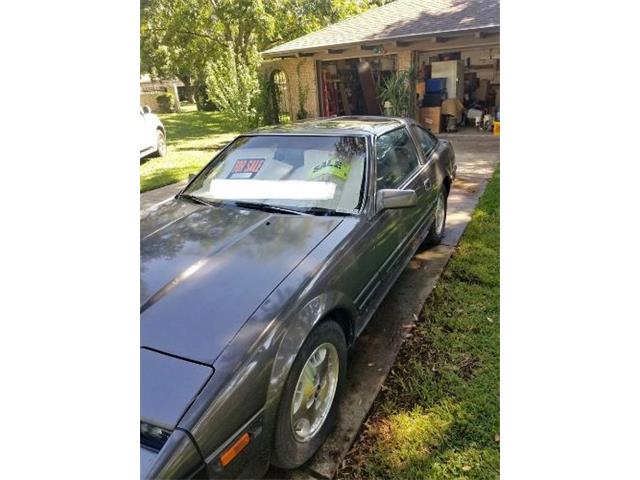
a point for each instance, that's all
(373, 354)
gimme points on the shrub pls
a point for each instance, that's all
(303, 93)
(203, 102)
(266, 106)
(232, 83)
(166, 102)
(397, 90)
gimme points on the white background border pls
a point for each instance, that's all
(70, 245)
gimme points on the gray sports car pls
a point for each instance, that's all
(259, 275)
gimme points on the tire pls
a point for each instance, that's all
(161, 144)
(436, 231)
(292, 447)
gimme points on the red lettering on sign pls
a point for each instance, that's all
(239, 166)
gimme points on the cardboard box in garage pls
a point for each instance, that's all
(453, 107)
(430, 118)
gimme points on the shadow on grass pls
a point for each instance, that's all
(196, 125)
(211, 148)
(438, 416)
(163, 178)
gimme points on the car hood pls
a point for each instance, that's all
(168, 385)
(204, 271)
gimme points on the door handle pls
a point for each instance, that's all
(427, 184)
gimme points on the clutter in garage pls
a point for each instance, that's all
(459, 90)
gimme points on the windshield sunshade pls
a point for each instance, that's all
(299, 172)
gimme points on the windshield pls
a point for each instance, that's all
(297, 172)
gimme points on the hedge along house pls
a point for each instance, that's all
(338, 70)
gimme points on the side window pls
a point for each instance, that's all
(396, 158)
(425, 139)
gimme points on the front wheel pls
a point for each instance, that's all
(161, 144)
(436, 232)
(309, 402)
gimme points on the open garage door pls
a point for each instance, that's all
(350, 86)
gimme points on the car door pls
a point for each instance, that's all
(407, 156)
(427, 145)
(396, 165)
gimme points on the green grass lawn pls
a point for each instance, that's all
(438, 416)
(192, 139)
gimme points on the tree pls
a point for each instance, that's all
(196, 40)
(232, 83)
(295, 18)
(232, 79)
(252, 25)
(177, 39)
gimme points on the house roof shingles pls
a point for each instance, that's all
(396, 20)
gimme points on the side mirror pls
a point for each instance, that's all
(146, 109)
(388, 199)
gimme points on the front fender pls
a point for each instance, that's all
(236, 392)
(293, 338)
(252, 370)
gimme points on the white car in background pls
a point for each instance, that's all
(153, 138)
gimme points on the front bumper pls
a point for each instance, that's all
(178, 458)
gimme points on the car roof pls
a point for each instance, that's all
(362, 125)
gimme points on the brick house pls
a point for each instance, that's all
(150, 88)
(341, 66)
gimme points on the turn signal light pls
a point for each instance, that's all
(233, 451)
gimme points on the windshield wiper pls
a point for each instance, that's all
(325, 211)
(196, 199)
(265, 207)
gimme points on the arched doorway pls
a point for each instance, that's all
(281, 96)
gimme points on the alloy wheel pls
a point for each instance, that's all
(162, 144)
(314, 392)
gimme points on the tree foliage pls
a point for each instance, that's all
(177, 39)
(267, 101)
(194, 40)
(303, 93)
(232, 79)
(295, 18)
(232, 82)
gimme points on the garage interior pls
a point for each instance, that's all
(348, 87)
(459, 89)
(454, 90)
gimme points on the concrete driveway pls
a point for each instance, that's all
(373, 354)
